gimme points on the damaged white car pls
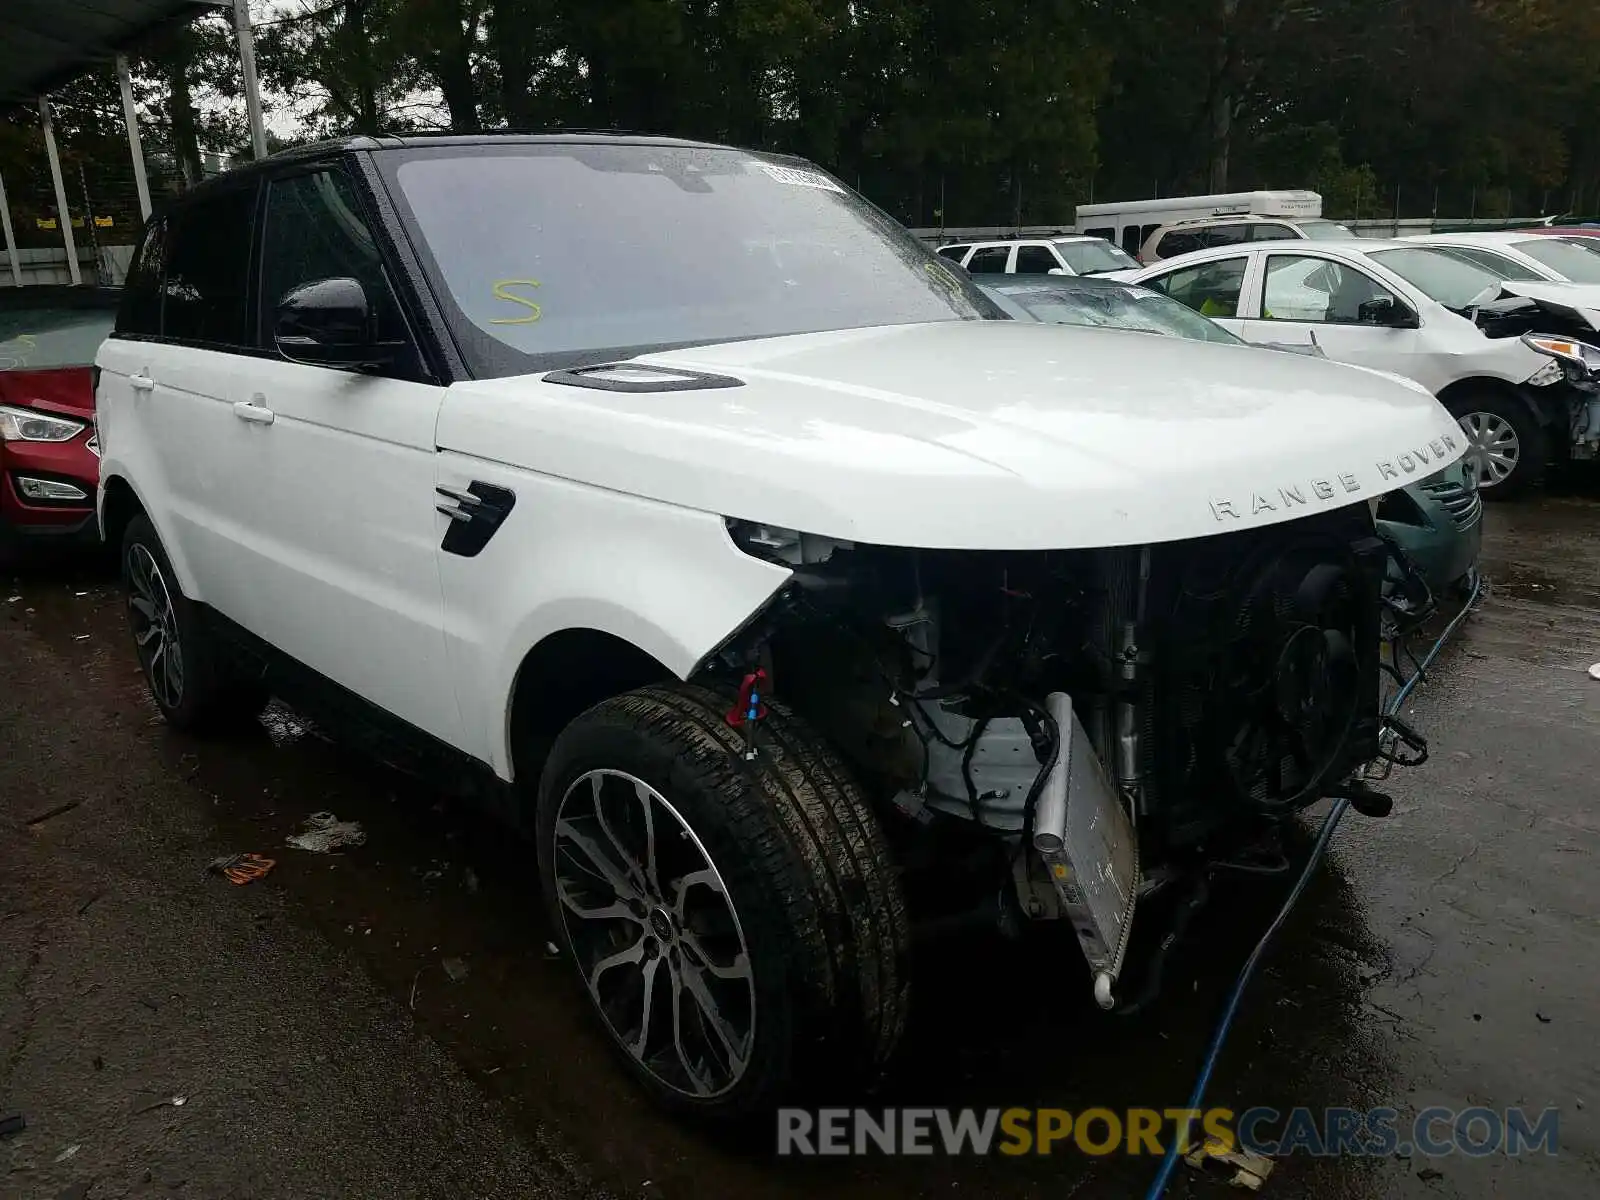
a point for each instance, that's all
(1514, 360)
(747, 558)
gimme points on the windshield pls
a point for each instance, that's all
(1088, 257)
(38, 339)
(1569, 261)
(1117, 306)
(1438, 274)
(567, 252)
(1325, 231)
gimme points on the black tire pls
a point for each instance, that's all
(1479, 410)
(207, 698)
(805, 869)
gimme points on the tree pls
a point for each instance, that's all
(350, 52)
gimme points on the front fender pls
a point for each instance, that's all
(665, 579)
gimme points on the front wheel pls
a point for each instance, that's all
(1504, 442)
(735, 922)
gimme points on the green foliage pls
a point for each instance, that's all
(961, 111)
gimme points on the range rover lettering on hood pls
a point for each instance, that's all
(1287, 496)
(1435, 451)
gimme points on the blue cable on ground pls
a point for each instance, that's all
(1169, 1163)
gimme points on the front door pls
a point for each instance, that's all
(1305, 299)
(343, 528)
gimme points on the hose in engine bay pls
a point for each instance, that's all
(1169, 1162)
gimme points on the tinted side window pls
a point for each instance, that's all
(1036, 260)
(1131, 239)
(1177, 242)
(140, 313)
(1506, 268)
(1225, 235)
(991, 260)
(315, 230)
(1270, 233)
(1104, 231)
(953, 253)
(1211, 289)
(205, 292)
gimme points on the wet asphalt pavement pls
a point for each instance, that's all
(321, 1047)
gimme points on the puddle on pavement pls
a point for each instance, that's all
(1527, 583)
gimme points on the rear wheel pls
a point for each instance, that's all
(178, 654)
(1504, 441)
(735, 922)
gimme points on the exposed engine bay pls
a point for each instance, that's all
(1125, 714)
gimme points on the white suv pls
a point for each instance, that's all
(724, 559)
(1205, 233)
(1042, 256)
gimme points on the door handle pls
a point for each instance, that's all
(141, 383)
(254, 413)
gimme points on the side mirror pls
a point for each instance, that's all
(330, 323)
(1387, 312)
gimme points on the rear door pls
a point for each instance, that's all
(340, 548)
(181, 351)
(1216, 288)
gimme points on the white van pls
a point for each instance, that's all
(1130, 223)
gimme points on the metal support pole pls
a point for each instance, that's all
(11, 238)
(131, 115)
(252, 86)
(63, 214)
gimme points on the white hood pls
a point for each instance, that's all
(1582, 298)
(977, 435)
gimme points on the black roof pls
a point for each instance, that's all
(368, 142)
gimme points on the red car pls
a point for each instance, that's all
(49, 461)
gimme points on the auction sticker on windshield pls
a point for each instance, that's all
(813, 179)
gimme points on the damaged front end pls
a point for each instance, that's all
(1579, 364)
(1566, 333)
(1060, 734)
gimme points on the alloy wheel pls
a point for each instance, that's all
(155, 626)
(1493, 445)
(654, 933)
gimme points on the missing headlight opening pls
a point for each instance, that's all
(1091, 726)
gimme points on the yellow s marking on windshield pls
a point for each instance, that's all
(943, 276)
(500, 293)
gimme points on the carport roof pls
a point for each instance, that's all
(45, 43)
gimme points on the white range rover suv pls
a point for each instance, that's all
(678, 501)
